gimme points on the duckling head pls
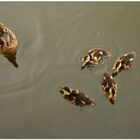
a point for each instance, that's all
(85, 61)
(131, 56)
(65, 91)
(116, 67)
(111, 95)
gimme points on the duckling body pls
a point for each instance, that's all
(93, 57)
(77, 97)
(123, 63)
(109, 86)
(8, 41)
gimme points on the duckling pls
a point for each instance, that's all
(76, 97)
(109, 85)
(8, 41)
(93, 57)
(123, 63)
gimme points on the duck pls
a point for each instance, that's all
(8, 41)
(109, 86)
(123, 63)
(77, 97)
(93, 57)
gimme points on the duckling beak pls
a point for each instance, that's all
(112, 101)
(61, 90)
(110, 98)
(114, 74)
(83, 65)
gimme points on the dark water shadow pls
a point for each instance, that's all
(12, 59)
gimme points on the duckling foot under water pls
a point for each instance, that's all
(109, 86)
(93, 57)
(123, 63)
(77, 97)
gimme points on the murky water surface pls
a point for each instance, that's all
(52, 38)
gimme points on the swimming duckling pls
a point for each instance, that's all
(109, 85)
(8, 41)
(76, 97)
(93, 57)
(123, 63)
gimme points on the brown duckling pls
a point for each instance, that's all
(109, 85)
(123, 63)
(93, 57)
(76, 97)
(8, 41)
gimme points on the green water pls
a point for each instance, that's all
(52, 39)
